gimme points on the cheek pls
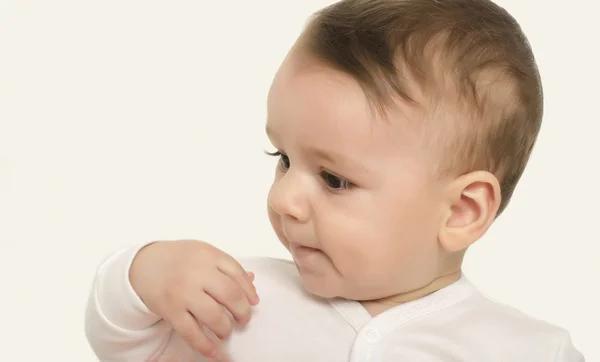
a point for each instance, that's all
(349, 236)
(377, 236)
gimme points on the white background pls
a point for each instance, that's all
(126, 121)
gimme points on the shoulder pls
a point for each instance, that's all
(479, 328)
(271, 269)
(501, 314)
(513, 329)
(275, 276)
(267, 264)
(280, 288)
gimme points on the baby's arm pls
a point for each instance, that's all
(118, 326)
(166, 301)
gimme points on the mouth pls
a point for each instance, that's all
(296, 246)
(304, 252)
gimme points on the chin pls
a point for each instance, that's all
(319, 291)
(317, 285)
(323, 287)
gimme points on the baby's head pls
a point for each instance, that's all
(403, 127)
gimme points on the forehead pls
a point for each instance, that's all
(312, 103)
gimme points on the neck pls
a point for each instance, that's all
(375, 307)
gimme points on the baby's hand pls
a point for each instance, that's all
(188, 283)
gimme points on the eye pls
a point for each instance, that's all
(284, 160)
(336, 183)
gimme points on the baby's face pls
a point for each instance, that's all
(354, 198)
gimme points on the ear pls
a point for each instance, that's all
(473, 202)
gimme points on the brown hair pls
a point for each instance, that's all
(468, 58)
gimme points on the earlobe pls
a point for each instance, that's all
(473, 202)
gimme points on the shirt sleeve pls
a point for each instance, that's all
(118, 325)
(568, 353)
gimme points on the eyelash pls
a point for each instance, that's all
(282, 157)
(346, 185)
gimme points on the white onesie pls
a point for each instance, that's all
(456, 323)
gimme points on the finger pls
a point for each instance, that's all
(251, 276)
(222, 357)
(188, 328)
(228, 293)
(237, 273)
(208, 312)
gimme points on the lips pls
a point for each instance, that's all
(296, 246)
(307, 249)
(305, 254)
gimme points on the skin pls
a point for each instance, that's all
(355, 198)
(191, 284)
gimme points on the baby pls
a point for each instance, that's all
(402, 128)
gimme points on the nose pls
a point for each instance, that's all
(288, 197)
